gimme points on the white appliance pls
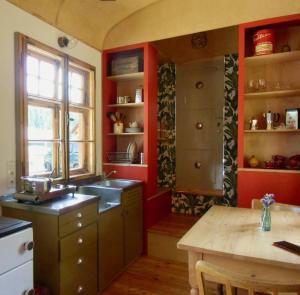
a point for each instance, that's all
(16, 257)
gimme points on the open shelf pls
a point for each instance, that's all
(269, 170)
(273, 94)
(126, 133)
(273, 131)
(125, 164)
(125, 77)
(127, 105)
(281, 57)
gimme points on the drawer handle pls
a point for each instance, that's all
(80, 290)
(80, 261)
(28, 292)
(79, 224)
(28, 246)
(79, 215)
(80, 241)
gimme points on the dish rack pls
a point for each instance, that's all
(120, 157)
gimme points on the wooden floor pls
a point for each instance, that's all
(175, 225)
(152, 276)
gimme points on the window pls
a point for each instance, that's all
(55, 112)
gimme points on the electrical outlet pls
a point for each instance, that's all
(11, 174)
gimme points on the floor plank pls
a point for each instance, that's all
(155, 276)
(152, 276)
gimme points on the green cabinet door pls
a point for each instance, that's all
(111, 246)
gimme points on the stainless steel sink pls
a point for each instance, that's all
(109, 191)
(108, 197)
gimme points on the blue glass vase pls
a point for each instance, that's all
(266, 219)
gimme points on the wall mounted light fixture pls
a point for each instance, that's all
(67, 42)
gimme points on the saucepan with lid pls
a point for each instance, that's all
(37, 184)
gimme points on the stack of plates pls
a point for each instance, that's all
(133, 129)
(132, 151)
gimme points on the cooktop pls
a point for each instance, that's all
(10, 225)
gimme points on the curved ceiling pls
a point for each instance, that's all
(109, 24)
(170, 18)
(86, 20)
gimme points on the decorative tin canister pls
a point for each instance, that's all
(263, 42)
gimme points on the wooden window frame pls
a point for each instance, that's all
(23, 101)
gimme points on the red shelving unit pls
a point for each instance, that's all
(279, 68)
(145, 113)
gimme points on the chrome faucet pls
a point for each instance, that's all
(105, 176)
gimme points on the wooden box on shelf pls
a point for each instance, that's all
(268, 84)
(127, 62)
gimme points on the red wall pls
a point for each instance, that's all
(253, 185)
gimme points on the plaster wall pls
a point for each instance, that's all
(170, 18)
(13, 19)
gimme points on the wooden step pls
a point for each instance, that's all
(164, 236)
(175, 225)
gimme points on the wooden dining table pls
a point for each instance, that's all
(231, 238)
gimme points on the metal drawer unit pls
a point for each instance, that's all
(77, 260)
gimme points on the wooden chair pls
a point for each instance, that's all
(233, 280)
(256, 204)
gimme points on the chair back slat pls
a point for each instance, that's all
(233, 280)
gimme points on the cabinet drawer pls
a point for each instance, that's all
(77, 219)
(18, 280)
(78, 242)
(86, 287)
(80, 277)
(13, 251)
(79, 267)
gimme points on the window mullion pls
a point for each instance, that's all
(56, 144)
(66, 117)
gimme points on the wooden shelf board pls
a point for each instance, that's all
(126, 133)
(268, 170)
(278, 93)
(125, 164)
(127, 105)
(198, 191)
(132, 76)
(272, 58)
(273, 131)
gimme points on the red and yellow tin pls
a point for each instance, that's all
(263, 42)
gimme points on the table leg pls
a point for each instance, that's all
(192, 259)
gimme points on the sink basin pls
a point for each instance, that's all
(108, 197)
(118, 183)
(106, 206)
(109, 191)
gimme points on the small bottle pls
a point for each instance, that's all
(139, 94)
(142, 158)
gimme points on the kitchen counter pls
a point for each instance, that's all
(56, 206)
